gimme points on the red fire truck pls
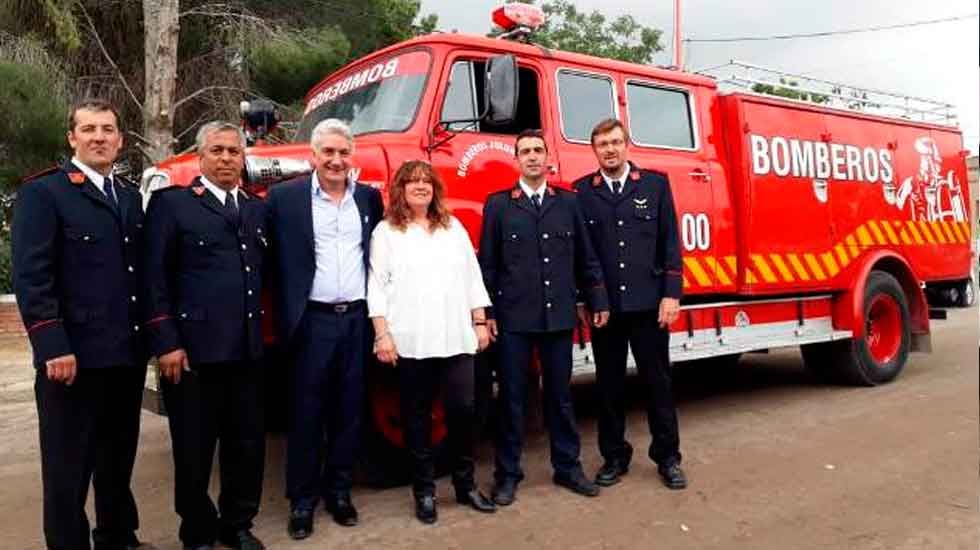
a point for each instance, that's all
(801, 224)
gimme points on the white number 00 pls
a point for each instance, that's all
(696, 232)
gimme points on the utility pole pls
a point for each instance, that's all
(678, 45)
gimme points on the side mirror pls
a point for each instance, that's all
(501, 89)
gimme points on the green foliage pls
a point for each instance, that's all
(285, 68)
(568, 29)
(32, 130)
(788, 89)
(6, 263)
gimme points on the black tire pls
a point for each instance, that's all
(967, 293)
(384, 460)
(869, 361)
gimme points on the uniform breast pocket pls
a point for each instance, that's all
(645, 218)
(261, 239)
(84, 246)
(512, 246)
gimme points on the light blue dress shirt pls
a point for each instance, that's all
(340, 274)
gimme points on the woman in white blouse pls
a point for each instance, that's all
(426, 300)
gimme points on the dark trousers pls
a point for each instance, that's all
(650, 344)
(419, 380)
(327, 403)
(216, 404)
(88, 433)
(514, 358)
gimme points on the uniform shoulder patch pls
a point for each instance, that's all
(47, 171)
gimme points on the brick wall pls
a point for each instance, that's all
(10, 322)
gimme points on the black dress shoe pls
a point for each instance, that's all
(300, 524)
(476, 500)
(577, 483)
(241, 540)
(611, 472)
(343, 511)
(504, 492)
(425, 509)
(672, 476)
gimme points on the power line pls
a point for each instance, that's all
(833, 33)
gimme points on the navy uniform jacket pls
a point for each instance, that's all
(77, 272)
(534, 261)
(204, 275)
(290, 215)
(635, 235)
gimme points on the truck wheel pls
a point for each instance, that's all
(967, 294)
(385, 462)
(881, 355)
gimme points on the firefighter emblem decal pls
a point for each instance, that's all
(928, 195)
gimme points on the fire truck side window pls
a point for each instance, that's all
(465, 100)
(660, 117)
(584, 100)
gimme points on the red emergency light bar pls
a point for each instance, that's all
(515, 15)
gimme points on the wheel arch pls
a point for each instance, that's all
(849, 307)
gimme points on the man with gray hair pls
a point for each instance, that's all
(320, 227)
(204, 247)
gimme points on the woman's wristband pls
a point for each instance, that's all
(479, 322)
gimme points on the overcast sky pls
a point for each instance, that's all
(939, 61)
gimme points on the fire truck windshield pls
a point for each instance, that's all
(374, 97)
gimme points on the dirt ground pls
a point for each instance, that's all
(776, 461)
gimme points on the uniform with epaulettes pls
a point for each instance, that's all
(204, 272)
(77, 277)
(204, 275)
(635, 234)
(534, 261)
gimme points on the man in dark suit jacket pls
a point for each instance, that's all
(76, 249)
(630, 216)
(535, 253)
(204, 250)
(321, 233)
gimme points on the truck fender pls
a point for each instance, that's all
(849, 306)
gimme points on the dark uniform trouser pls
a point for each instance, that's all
(650, 345)
(216, 402)
(419, 380)
(89, 432)
(327, 403)
(514, 358)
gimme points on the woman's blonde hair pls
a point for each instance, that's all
(399, 213)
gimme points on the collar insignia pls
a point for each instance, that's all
(77, 178)
(198, 190)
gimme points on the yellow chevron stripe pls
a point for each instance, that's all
(949, 232)
(904, 234)
(924, 229)
(699, 274)
(750, 277)
(892, 238)
(842, 255)
(729, 267)
(686, 282)
(877, 232)
(915, 232)
(811, 261)
(763, 268)
(966, 229)
(798, 267)
(863, 236)
(937, 230)
(852, 245)
(781, 267)
(959, 234)
(828, 260)
(718, 270)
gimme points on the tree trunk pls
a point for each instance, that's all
(162, 26)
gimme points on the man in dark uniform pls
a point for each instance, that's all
(204, 249)
(535, 253)
(321, 238)
(76, 250)
(630, 216)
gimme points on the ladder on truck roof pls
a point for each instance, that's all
(745, 77)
